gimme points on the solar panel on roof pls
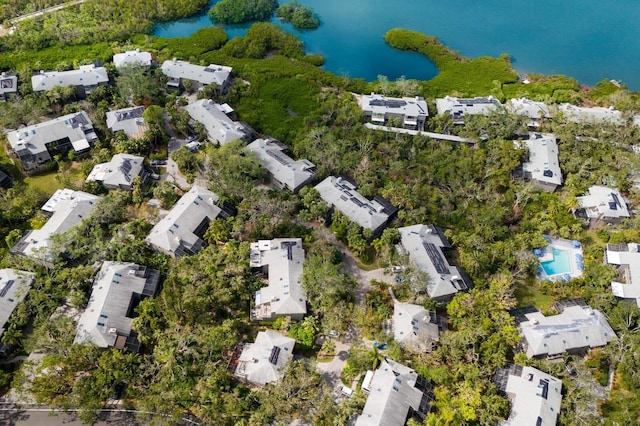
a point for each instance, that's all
(6, 287)
(548, 173)
(279, 157)
(357, 202)
(275, 353)
(436, 258)
(389, 103)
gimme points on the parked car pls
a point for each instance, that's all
(191, 138)
(154, 176)
(158, 162)
(193, 146)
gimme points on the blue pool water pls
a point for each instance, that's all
(587, 39)
(559, 265)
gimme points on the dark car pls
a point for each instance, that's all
(158, 163)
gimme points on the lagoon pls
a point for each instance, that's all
(590, 40)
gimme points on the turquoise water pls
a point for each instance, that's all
(560, 263)
(587, 39)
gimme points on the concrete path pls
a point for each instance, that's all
(436, 136)
(43, 11)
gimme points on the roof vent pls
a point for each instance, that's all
(113, 331)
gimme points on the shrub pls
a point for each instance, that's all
(239, 11)
(300, 16)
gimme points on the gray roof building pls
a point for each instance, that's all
(220, 127)
(181, 231)
(543, 167)
(69, 210)
(282, 259)
(575, 329)
(458, 108)
(14, 286)
(263, 361)
(535, 396)
(129, 120)
(34, 144)
(341, 194)
(285, 172)
(379, 109)
(117, 290)
(119, 172)
(8, 85)
(602, 203)
(592, 115)
(627, 258)
(66, 194)
(536, 111)
(414, 327)
(424, 244)
(84, 79)
(397, 393)
(180, 70)
(132, 57)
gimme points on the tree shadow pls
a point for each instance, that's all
(12, 418)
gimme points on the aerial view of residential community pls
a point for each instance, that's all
(206, 222)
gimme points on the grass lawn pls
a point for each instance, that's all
(50, 182)
(531, 294)
(47, 183)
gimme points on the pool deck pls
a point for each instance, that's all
(575, 259)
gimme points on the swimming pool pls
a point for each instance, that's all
(559, 265)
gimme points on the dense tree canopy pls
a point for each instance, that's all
(239, 11)
(300, 16)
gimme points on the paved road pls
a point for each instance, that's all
(331, 370)
(44, 417)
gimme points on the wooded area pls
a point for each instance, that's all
(191, 328)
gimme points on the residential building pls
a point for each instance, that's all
(397, 393)
(543, 167)
(627, 258)
(181, 232)
(602, 203)
(132, 58)
(117, 291)
(340, 193)
(411, 112)
(575, 329)
(8, 85)
(85, 79)
(535, 111)
(592, 115)
(415, 328)
(14, 286)
(459, 108)
(425, 245)
(69, 209)
(263, 361)
(220, 127)
(284, 171)
(36, 145)
(128, 120)
(535, 396)
(281, 259)
(119, 173)
(178, 71)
